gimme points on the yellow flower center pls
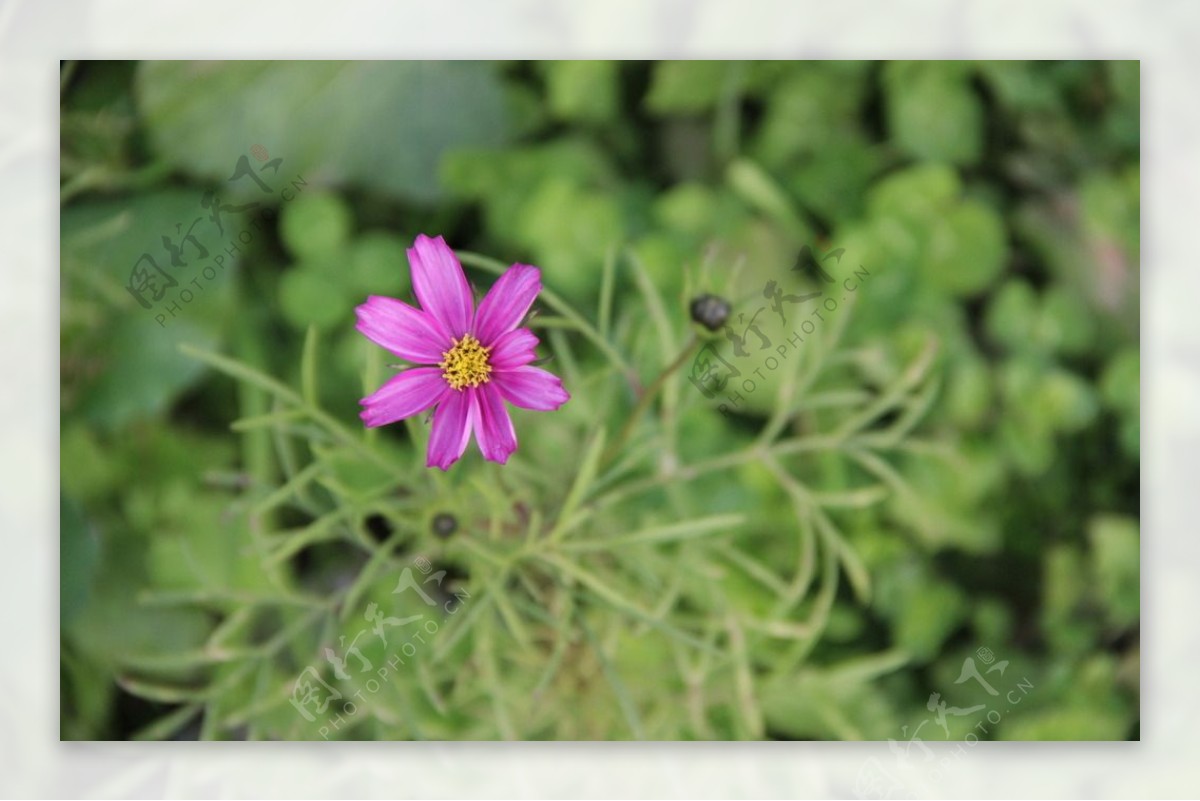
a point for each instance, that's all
(466, 364)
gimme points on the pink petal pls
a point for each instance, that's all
(505, 304)
(404, 395)
(531, 388)
(440, 285)
(493, 427)
(514, 349)
(452, 424)
(407, 332)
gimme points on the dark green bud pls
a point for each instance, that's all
(710, 311)
(444, 524)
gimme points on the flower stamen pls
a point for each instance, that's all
(466, 364)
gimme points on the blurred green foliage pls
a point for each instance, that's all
(949, 463)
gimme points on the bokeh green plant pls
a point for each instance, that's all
(949, 462)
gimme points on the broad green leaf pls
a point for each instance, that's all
(120, 361)
(933, 111)
(1010, 318)
(143, 371)
(686, 87)
(384, 125)
(928, 617)
(967, 249)
(379, 265)
(815, 108)
(308, 296)
(585, 91)
(315, 224)
(1116, 567)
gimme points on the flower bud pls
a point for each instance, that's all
(710, 311)
(444, 524)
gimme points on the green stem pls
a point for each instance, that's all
(646, 398)
(106, 179)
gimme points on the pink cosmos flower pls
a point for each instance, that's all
(477, 358)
